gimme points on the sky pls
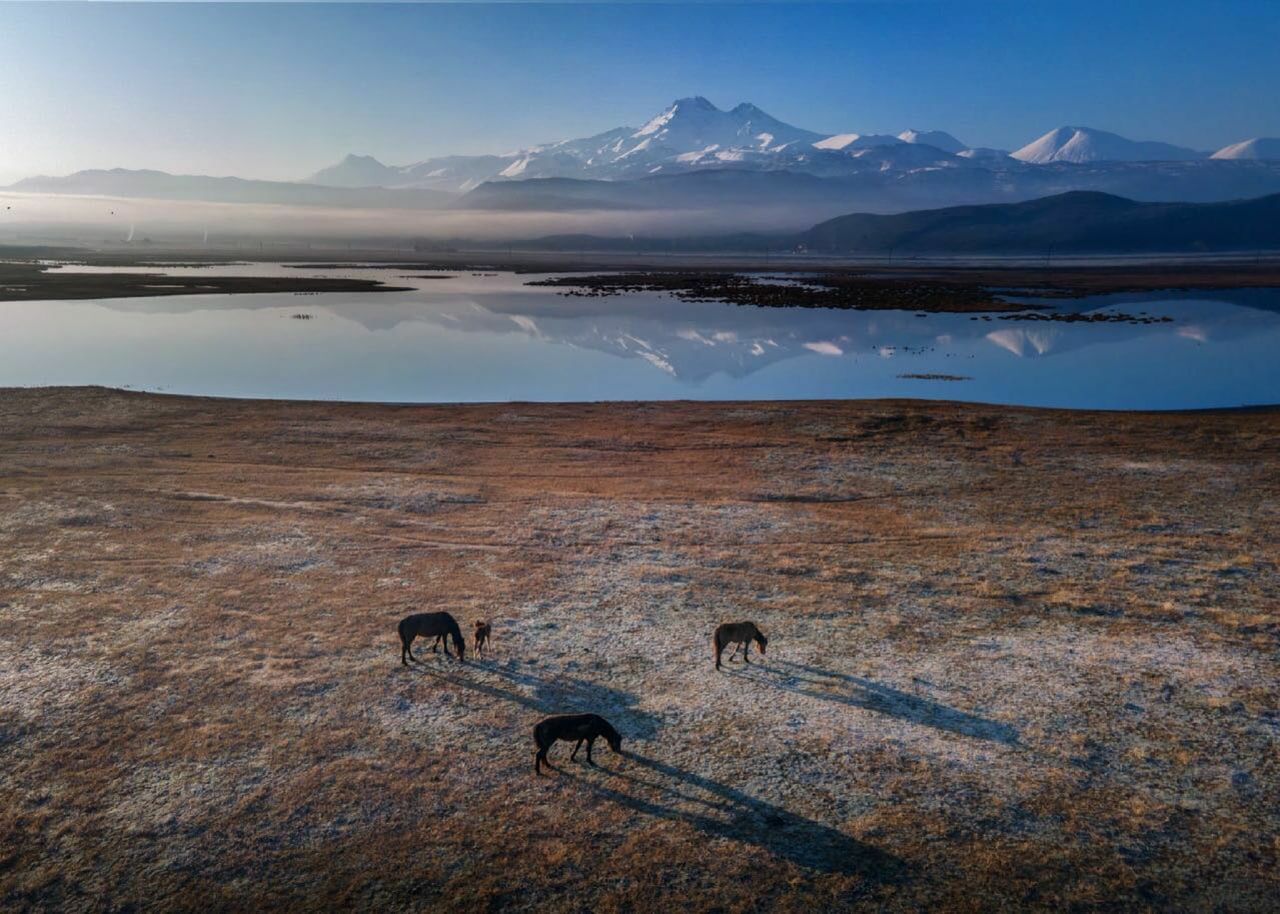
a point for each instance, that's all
(280, 90)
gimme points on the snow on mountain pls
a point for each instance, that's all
(907, 157)
(852, 141)
(938, 139)
(1257, 148)
(1084, 144)
(692, 124)
(692, 134)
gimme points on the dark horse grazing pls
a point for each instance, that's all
(428, 625)
(736, 633)
(582, 727)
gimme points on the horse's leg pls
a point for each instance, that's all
(746, 649)
(574, 754)
(591, 741)
(407, 648)
(445, 641)
(539, 760)
(733, 654)
(435, 647)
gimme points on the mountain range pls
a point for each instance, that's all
(693, 134)
(744, 166)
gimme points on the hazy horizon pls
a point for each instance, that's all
(278, 91)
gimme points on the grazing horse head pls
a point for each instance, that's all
(761, 640)
(612, 737)
(459, 644)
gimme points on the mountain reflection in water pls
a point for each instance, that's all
(492, 337)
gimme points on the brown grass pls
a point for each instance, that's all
(1018, 659)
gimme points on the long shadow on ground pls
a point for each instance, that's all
(721, 811)
(857, 692)
(551, 692)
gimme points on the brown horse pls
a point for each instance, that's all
(736, 633)
(483, 632)
(582, 727)
(428, 625)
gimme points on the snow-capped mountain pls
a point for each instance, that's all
(690, 134)
(1257, 148)
(738, 164)
(694, 124)
(1085, 144)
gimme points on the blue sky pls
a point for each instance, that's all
(279, 90)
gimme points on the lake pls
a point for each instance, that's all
(490, 337)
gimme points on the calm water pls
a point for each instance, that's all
(491, 337)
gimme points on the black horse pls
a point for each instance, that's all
(736, 633)
(429, 625)
(582, 727)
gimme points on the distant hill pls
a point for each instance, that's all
(124, 182)
(1080, 221)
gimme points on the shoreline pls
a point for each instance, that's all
(969, 286)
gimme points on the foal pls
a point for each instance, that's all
(736, 633)
(427, 625)
(483, 631)
(582, 727)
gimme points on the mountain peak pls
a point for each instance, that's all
(696, 102)
(356, 171)
(695, 128)
(1088, 144)
(690, 105)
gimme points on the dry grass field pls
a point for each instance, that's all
(1018, 659)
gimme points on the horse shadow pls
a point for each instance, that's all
(721, 811)
(870, 695)
(553, 692)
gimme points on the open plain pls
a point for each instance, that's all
(1017, 658)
